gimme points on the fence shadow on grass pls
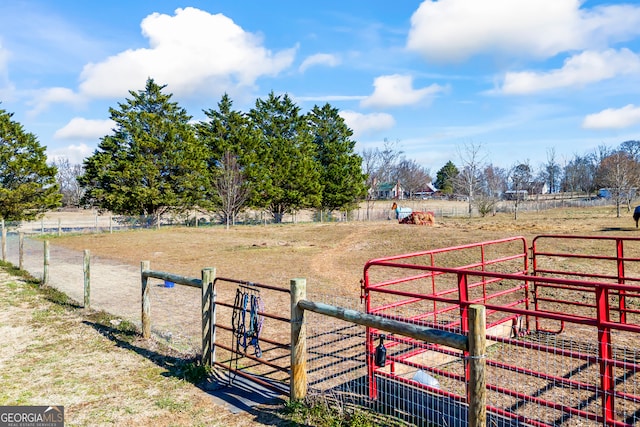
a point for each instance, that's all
(175, 363)
(237, 394)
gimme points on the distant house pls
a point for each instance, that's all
(429, 191)
(389, 190)
(530, 189)
(513, 195)
(538, 187)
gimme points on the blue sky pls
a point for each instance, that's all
(520, 78)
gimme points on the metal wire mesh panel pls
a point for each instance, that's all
(561, 343)
(338, 374)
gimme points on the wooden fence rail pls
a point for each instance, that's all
(205, 283)
(475, 344)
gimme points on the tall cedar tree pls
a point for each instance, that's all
(283, 172)
(150, 163)
(341, 168)
(227, 137)
(28, 185)
(445, 178)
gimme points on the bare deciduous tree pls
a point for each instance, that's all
(370, 167)
(232, 187)
(67, 178)
(520, 176)
(413, 176)
(467, 182)
(379, 166)
(388, 166)
(493, 184)
(618, 172)
(551, 171)
(633, 148)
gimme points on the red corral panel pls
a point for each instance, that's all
(563, 333)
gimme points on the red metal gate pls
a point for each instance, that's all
(583, 370)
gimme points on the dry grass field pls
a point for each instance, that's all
(331, 256)
(96, 366)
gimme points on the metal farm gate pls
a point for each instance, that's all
(562, 333)
(250, 336)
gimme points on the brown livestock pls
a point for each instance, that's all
(636, 215)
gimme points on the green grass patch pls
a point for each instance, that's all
(171, 404)
(15, 271)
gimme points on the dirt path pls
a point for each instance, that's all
(58, 354)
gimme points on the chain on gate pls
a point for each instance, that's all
(247, 302)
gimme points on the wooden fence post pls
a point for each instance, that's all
(45, 271)
(110, 224)
(213, 319)
(87, 279)
(208, 320)
(4, 242)
(298, 341)
(476, 389)
(21, 250)
(59, 227)
(146, 301)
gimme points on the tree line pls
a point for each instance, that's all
(482, 184)
(273, 158)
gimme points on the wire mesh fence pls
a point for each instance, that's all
(539, 378)
(92, 221)
(556, 379)
(537, 372)
(115, 287)
(339, 368)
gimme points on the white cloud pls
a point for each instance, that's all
(453, 30)
(7, 93)
(328, 98)
(579, 70)
(74, 153)
(319, 59)
(53, 95)
(612, 118)
(362, 124)
(6, 87)
(192, 51)
(4, 60)
(397, 90)
(83, 129)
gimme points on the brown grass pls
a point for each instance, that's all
(96, 367)
(330, 256)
